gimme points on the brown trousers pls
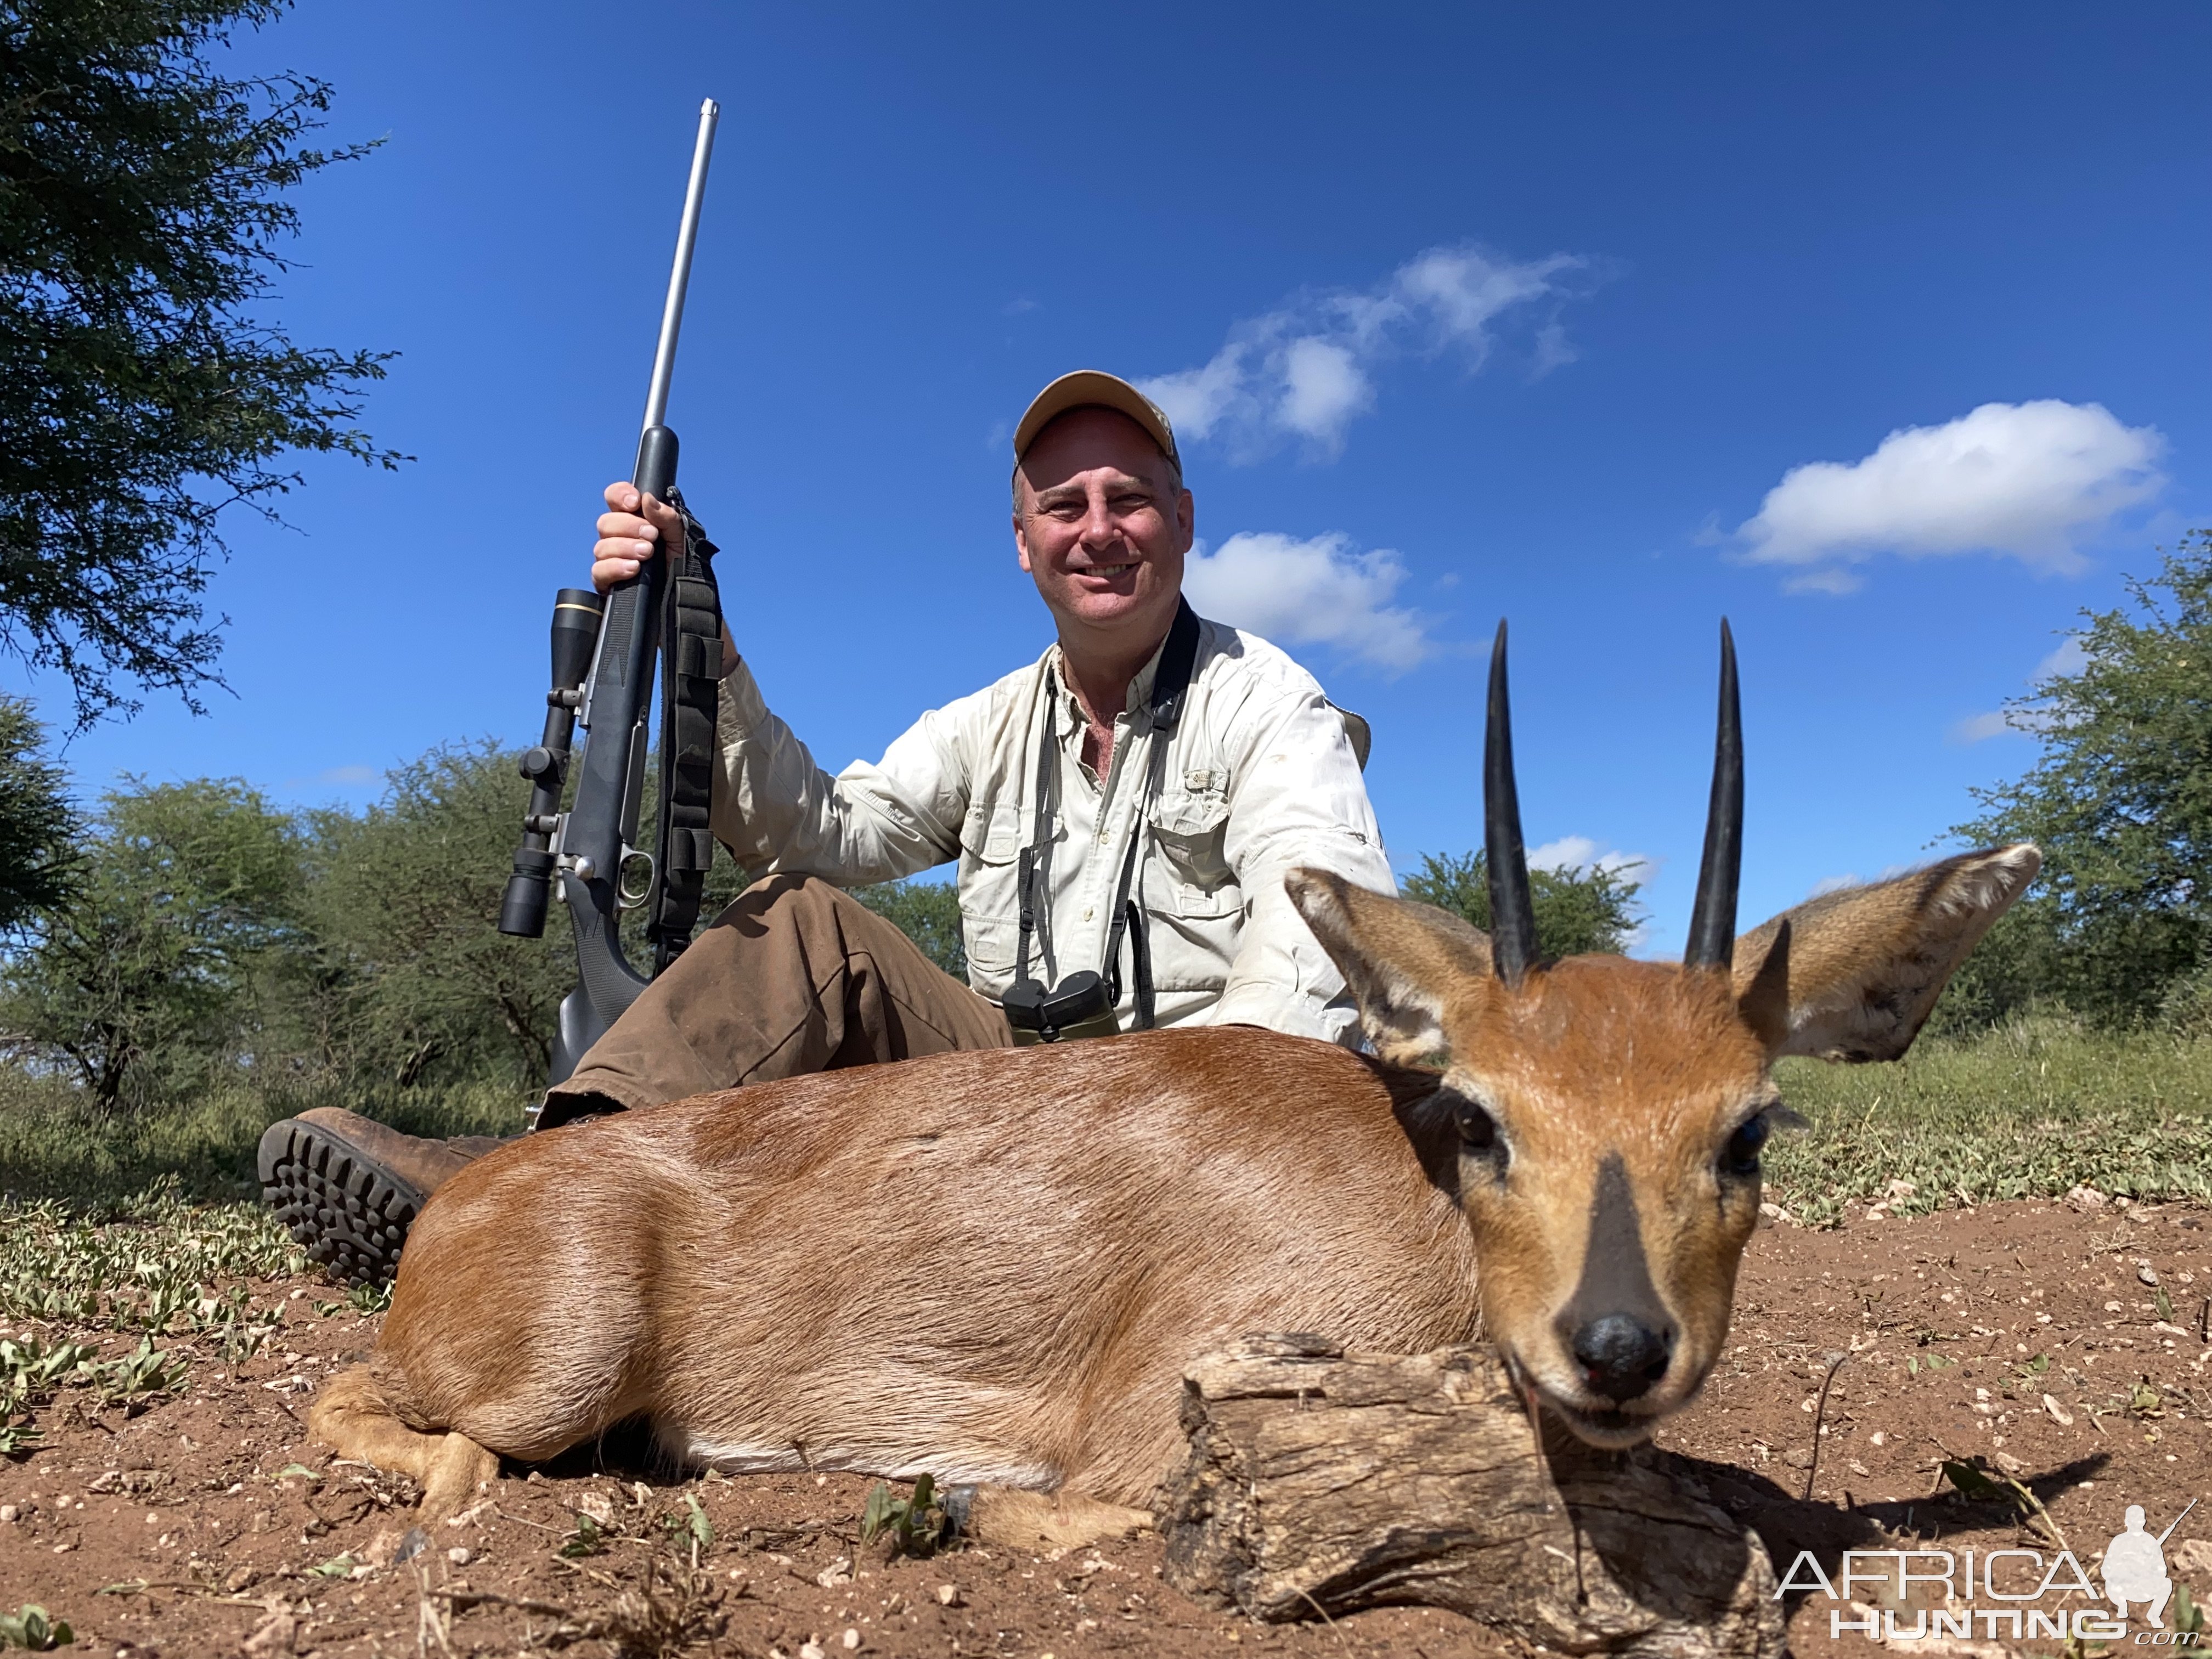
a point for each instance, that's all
(797, 976)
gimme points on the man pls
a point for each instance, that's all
(1125, 807)
(2134, 1569)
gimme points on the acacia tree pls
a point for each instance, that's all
(142, 206)
(38, 825)
(145, 980)
(1579, 912)
(410, 978)
(2120, 801)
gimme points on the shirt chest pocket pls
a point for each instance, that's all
(991, 842)
(1190, 875)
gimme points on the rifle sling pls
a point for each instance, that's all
(691, 656)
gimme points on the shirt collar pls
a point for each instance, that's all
(1141, 686)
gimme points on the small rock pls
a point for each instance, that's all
(2059, 1414)
(458, 1555)
(839, 1571)
(2192, 1560)
(2084, 1198)
(810, 1648)
(2112, 1307)
(948, 1596)
(851, 1638)
(2009, 1463)
(8, 1512)
(279, 1632)
(599, 1507)
(2147, 1274)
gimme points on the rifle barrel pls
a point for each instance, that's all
(2178, 1519)
(679, 279)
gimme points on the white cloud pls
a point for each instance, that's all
(2028, 481)
(1316, 591)
(1581, 853)
(2069, 659)
(1304, 370)
(1980, 728)
(348, 774)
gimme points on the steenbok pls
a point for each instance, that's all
(992, 1268)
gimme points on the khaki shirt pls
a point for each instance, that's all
(1258, 777)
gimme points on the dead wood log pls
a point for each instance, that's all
(1322, 1482)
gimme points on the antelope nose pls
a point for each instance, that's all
(1622, 1356)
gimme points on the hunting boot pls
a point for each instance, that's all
(348, 1188)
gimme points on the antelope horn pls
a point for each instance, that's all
(1712, 919)
(1512, 918)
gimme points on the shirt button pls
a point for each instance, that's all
(1086, 914)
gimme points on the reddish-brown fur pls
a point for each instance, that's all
(993, 1267)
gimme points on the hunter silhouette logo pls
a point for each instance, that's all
(2134, 1567)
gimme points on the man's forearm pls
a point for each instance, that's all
(776, 811)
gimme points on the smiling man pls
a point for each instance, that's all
(1122, 810)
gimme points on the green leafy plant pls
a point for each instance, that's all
(690, 1525)
(588, 1539)
(1972, 1484)
(1977, 1486)
(914, 1525)
(2188, 1612)
(35, 1630)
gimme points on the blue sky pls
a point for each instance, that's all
(1475, 311)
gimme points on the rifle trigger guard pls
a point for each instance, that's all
(625, 898)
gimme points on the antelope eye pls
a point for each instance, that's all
(1741, 1156)
(1476, 1126)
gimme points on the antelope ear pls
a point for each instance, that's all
(1852, 976)
(1401, 958)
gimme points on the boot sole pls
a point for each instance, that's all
(349, 1211)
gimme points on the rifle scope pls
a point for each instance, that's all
(576, 613)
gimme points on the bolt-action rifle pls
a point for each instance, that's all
(604, 653)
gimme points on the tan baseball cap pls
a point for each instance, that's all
(1089, 387)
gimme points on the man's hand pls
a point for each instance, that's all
(633, 529)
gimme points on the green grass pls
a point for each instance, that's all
(54, 1145)
(2029, 1110)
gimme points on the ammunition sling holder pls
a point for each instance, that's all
(691, 658)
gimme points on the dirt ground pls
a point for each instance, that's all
(2029, 1335)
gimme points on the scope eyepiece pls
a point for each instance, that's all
(522, 907)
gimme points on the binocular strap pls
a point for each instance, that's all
(1170, 681)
